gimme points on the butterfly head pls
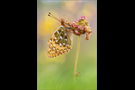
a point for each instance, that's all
(63, 22)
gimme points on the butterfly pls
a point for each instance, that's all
(61, 41)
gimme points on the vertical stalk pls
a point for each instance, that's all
(76, 59)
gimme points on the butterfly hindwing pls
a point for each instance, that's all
(60, 42)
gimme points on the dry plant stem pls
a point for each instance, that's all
(76, 58)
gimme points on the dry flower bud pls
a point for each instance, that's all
(81, 26)
(87, 37)
(89, 31)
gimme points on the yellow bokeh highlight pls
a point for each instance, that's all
(48, 25)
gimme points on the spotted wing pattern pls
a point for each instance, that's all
(60, 42)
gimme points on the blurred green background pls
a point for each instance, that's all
(57, 73)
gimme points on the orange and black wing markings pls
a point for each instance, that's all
(60, 42)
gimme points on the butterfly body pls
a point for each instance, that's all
(61, 41)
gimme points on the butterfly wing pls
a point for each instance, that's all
(60, 42)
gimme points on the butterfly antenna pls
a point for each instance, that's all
(53, 16)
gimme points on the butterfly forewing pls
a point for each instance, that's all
(60, 42)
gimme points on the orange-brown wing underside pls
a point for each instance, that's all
(60, 42)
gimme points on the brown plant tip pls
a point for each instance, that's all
(89, 31)
(77, 74)
(87, 37)
(81, 26)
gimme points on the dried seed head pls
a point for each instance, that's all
(78, 32)
(83, 17)
(88, 31)
(81, 26)
(87, 37)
